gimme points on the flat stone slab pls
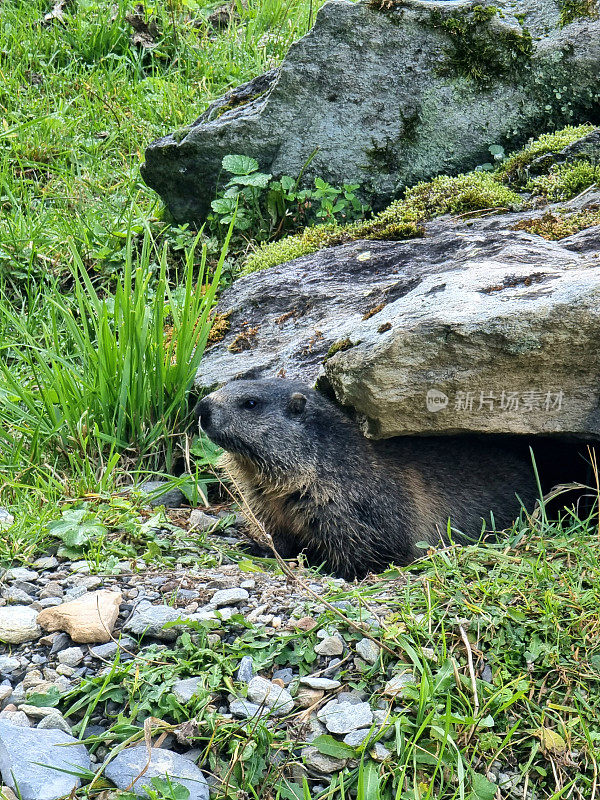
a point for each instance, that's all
(125, 768)
(29, 758)
(477, 327)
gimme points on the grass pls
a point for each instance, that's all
(103, 303)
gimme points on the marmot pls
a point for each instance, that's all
(353, 504)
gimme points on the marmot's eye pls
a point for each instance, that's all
(250, 403)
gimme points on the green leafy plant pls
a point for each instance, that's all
(76, 528)
(268, 207)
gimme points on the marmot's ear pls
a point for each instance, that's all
(297, 403)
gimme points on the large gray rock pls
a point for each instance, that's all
(128, 765)
(31, 757)
(475, 327)
(389, 98)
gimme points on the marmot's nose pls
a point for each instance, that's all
(203, 412)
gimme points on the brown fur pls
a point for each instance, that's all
(318, 486)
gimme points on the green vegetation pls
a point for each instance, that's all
(253, 201)
(480, 50)
(574, 10)
(502, 646)
(104, 305)
(564, 181)
(514, 169)
(475, 191)
(554, 226)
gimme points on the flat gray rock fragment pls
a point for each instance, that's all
(130, 762)
(23, 750)
(378, 94)
(345, 717)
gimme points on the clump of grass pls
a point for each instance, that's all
(402, 219)
(555, 226)
(105, 375)
(514, 169)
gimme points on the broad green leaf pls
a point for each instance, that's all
(551, 740)
(258, 179)
(482, 788)
(331, 747)
(239, 165)
(368, 781)
(224, 205)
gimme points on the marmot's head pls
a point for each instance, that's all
(279, 425)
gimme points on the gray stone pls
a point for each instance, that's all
(6, 518)
(199, 521)
(128, 764)
(105, 651)
(378, 94)
(345, 717)
(320, 683)
(45, 562)
(228, 597)
(12, 595)
(285, 675)
(72, 656)
(185, 689)
(148, 620)
(20, 574)
(321, 764)
(330, 646)
(245, 670)
(160, 493)
(18, 718)
(246, 709)
(54, 721)
(356, 738)
(23, 750)
(396, 685)
(263, 692)
(18, 624)
(368, 650)
(49, 602)
(475, 306)
(379, 752)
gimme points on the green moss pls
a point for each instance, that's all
(337, 347)
(556, 225)
(403, 219)
(565, 181)
(180, 134)
(573, 10)
(299, 244)
(515, 166)
(479, 51)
